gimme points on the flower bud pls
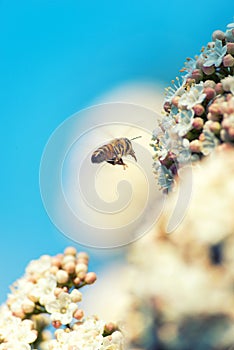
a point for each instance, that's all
(110, 327)
(227, 83)
(56, 260)
(198, 109)
(78, 314)
(210, 93)
(81, 267)
(208, 70)
(68, 258)
(201, 137)
(56, 324)
(81, 275)
(76, 281)
(228, 60)
(32, 297)
(90, 278)
(230, 48)
(214, 108)
(83, 255)
(197, 75)
(70, 267)
(28, 307)
(19, 313)
(218, 34)
(82, 261)
(62, 276)
(219, 88)
(54, 270)
(57, 291)
(208, 124)
(215, 127)
(209, 84)
(195, 146)
(198, 123)
(213, 117)
(175, 101)
(70, 251)
(76, 296)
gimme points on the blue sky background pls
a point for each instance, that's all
(56, 57)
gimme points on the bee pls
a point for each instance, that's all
(113, 152)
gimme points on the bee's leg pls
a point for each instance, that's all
(120, 162)
(111, 162)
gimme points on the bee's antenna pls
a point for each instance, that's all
(134, 138)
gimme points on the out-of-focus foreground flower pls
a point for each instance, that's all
(199, 109)
(48, 295)
(181, 283)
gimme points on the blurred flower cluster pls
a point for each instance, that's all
(45, 300)
(182, 283)
(198, 109)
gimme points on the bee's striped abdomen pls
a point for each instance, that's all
(102, 154)
(113, 152)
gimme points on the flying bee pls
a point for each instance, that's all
(113, 152)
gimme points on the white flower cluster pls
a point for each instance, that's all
(14, 332)
(44, 289)
(198, 110)
(49, 293)
(189, 273)
(88, 336)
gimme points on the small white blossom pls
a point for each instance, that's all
(87, 336)
(115, 341)
(214, 55)
(192, 97)
(176, 90)
(156, 133)
(168, 121)
(44, 289)
(229, 32)
(14, 331)
(189, 67)
(165, 176)
(39, 267)
(20, 291)
(185, 122)
(228, 84)
(14, 345)
(62, 308)
(164, 145)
